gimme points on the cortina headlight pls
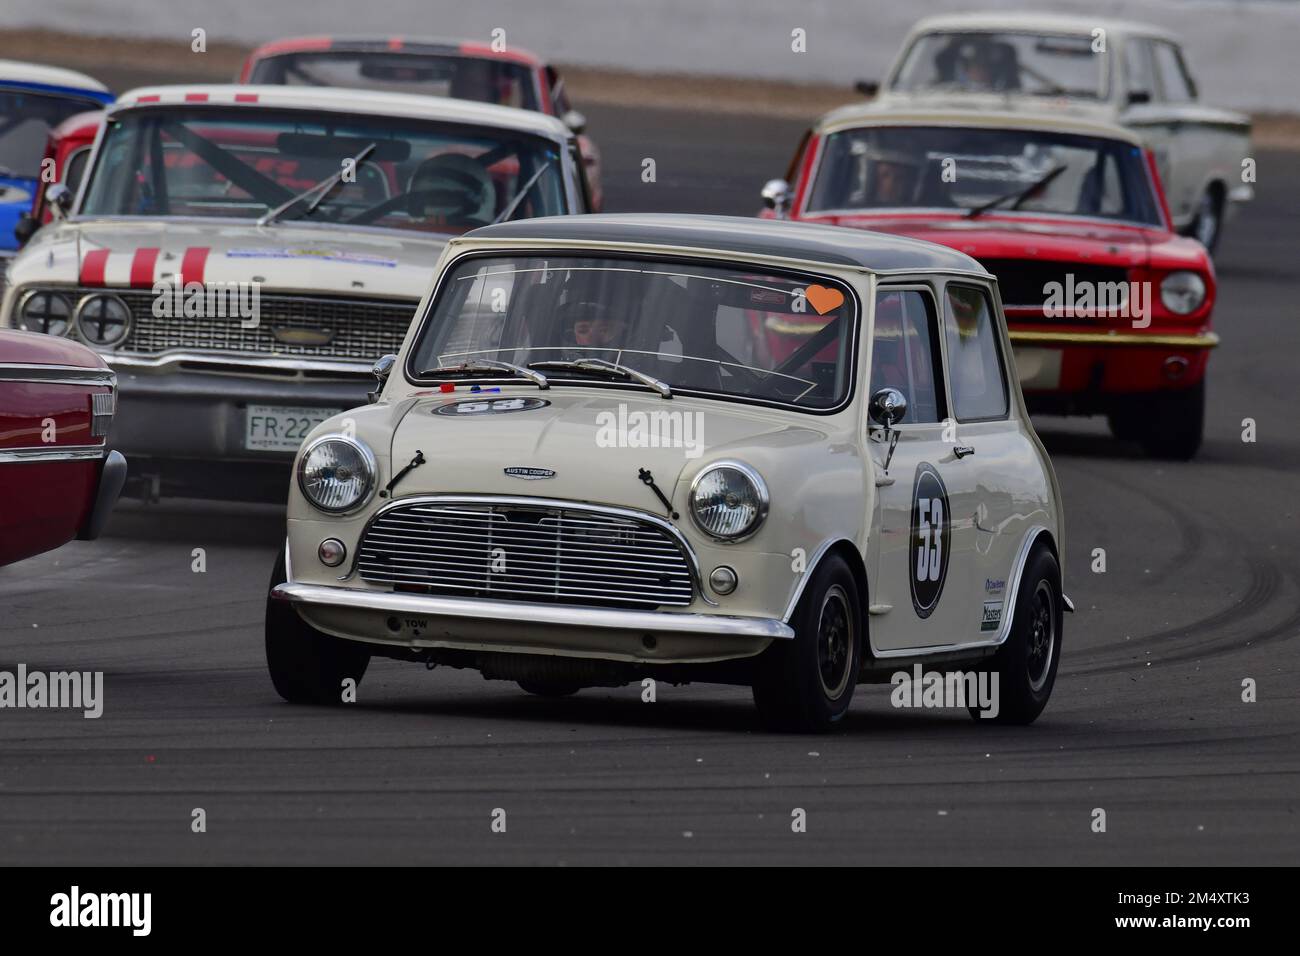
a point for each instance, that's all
(337, 474)
(728, 500)
(1182, 292)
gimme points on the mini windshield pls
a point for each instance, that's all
(245, 163)
(481, 79)
(738, 332)
(966, 168)
(1004, 62)
(25, 123)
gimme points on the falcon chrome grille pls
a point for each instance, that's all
(526, 552)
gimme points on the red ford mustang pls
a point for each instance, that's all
(1109, 310)
(462, 69)
(57, 479)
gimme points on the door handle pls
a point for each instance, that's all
(961, 451)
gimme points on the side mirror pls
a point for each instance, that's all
(887, 408)
(776, 195)
(60, 199)
(574, 120)
(24, 229)
(867, 87)
(382, 368)
(1138, 97)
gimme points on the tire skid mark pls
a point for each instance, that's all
(1262, 592)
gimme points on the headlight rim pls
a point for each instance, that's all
(127, 325)
(29, 294)
(367, 456)
(1204, 294)
(760, 486)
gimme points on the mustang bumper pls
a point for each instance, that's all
(424, 621)
(1083, 371)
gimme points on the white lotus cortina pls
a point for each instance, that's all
(241, 256)
(683, 448)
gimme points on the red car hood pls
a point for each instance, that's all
(994, 237)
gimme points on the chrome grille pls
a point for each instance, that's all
(505, 551)
(360, 329)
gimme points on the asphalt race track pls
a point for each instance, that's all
(1201, 591)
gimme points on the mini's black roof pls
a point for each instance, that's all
(834, 245)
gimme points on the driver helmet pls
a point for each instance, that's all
(453, 188)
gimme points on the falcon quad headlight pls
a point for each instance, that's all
(728, 501)
(337, 474)
(44, 311)
(1182, 292)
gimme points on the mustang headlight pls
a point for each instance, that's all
(728, 500)
(1182, 292)
(337, 474)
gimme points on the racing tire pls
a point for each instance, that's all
(805, 685)
(545, 688)
(307, 666)
(1174, 424)
(1027, 661)
(1207, 226)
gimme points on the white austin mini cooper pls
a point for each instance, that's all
(619, 448)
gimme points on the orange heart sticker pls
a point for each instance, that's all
(823, 299)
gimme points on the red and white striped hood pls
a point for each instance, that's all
(281, 258)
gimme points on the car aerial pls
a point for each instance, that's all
(1109, 309)
(58, 479)
(33, 100)
(1131, 74)
(464, 69)
(243, 255)
(620, 448)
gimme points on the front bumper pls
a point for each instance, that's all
(418, 621)
(199, 415)
(1086, 371)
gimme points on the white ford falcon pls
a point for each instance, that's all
(241, 256)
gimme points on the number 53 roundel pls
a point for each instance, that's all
(930, 538)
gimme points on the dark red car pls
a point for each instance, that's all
(1109, 310)
(58, 481)
(461, 69)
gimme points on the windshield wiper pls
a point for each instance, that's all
(488, 365)
(613, 368)
(519, 196)
(1020, 195)
(324, 187)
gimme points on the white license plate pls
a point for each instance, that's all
(281, 428)
(1039, 369)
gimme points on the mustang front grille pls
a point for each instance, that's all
(289, 325)
(1022, 282)
(504, 551)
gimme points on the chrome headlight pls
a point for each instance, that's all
(43, 311)
(1182, 292)
(337, 474)
(728, 500)
(103, 319)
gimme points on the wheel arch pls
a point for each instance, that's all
(847, 550)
